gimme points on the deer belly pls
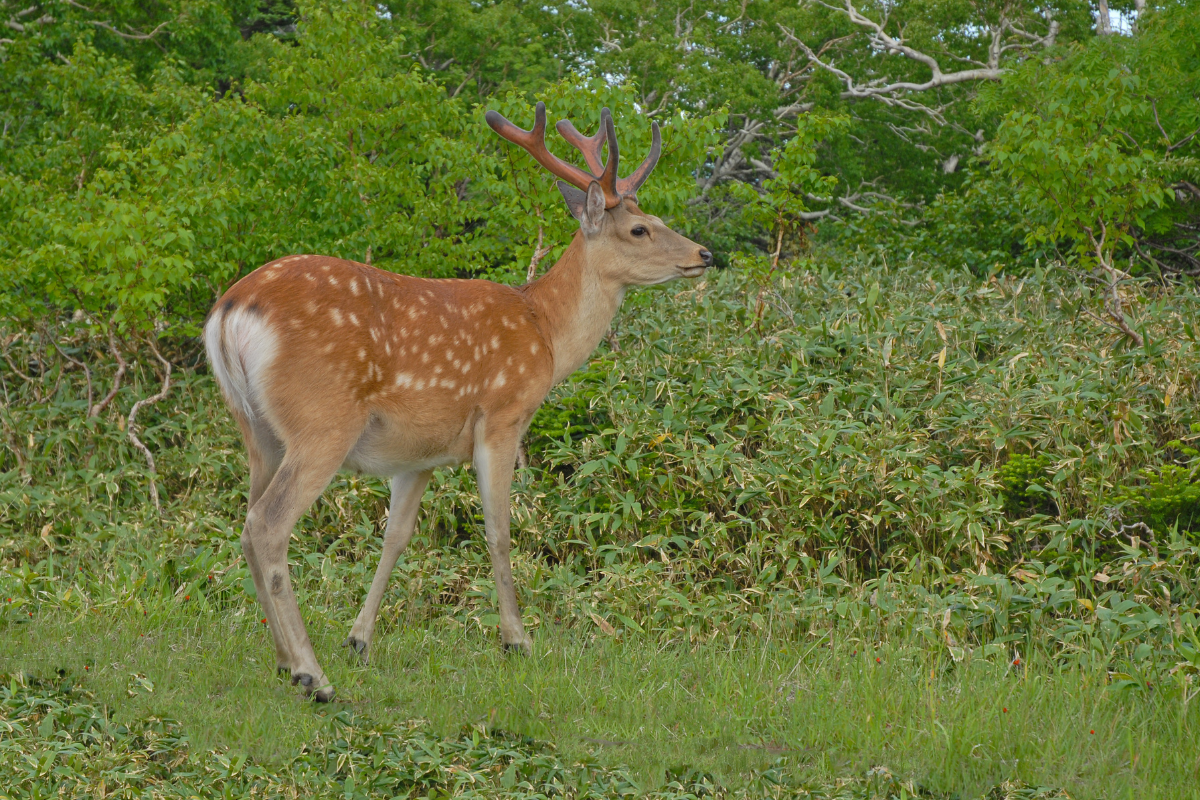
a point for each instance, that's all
(390, 447)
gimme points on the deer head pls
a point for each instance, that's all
(627, 245)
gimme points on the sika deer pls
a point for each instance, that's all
(329, 364)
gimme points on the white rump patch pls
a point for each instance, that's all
(241, 346)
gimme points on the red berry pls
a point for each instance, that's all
(877, 661)
(264, 621)
(1093, 732)
(1006, 710)
(187, 597)
(85, 668)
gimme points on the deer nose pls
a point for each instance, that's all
(706, 257)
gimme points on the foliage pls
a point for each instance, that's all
(1074, 167)
(1022, 477)
(713, 472)
(1083, 143)
(572, 414)
(143, 201)
(1167, 496)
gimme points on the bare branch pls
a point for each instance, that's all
(136, 36)
(97, 409)
(129, 427)
(1004, 36)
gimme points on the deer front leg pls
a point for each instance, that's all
(407, 489)
(494, 458)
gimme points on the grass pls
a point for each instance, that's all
(818, 710)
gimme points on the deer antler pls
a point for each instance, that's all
(592, 148)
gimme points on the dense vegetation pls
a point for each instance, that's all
(935, 418)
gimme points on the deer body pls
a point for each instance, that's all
(330, 364)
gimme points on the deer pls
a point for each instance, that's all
(329, 364)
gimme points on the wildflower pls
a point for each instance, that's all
(264, 620)
(1006, 709)
(877, 661)
(1093, 732)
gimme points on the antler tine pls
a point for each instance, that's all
(534, 143)
(627, 187)
(608, 178)
(592, 147)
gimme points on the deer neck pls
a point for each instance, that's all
(576, 303)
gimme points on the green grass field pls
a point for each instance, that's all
(816, 710)
(910, 534)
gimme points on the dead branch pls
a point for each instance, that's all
(97, 409)
(136, 35)
(1004, 36)
(539, 253)
(1112, 304)
(130, 430)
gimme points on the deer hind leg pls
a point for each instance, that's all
(300, 479)
(265, 454)
(407, 489)
(494, 459)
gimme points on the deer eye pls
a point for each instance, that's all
(640, 230)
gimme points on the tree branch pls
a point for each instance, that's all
(129, 427)
(97, 409)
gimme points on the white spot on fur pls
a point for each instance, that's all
(354, 287)
(403, 379)
(533, 348)
(332, 280)
(500, 380)
(353, 318)
(362, 354)
(337, 316)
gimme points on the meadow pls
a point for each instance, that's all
(867, 526)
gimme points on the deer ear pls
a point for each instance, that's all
(587, 207)
(576, 199)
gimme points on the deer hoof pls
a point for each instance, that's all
(321, 694)
(522, 648)
(359, 646)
